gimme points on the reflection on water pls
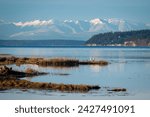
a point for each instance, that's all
(96, 68)
(128, 68)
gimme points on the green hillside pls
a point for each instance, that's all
(129, 38)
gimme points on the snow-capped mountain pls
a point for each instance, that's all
(67, 29)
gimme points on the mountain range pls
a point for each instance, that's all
(64, 29)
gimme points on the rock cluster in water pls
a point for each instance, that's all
(49, 62)
(24, 84)
(11, 79)
(6, 72)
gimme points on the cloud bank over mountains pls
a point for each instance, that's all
(67, 29)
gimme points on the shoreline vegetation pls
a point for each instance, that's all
(127, 38)
(10, 78)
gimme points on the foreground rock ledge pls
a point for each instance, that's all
(6, 72)
(62, 62)
(9, 79)
(24, 84)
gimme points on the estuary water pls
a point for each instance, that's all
(129, 67)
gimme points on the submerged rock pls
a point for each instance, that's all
(94, 63)
(118, 89)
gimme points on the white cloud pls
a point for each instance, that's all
(34, 23)
(96, 21)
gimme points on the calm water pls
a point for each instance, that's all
(129, 68)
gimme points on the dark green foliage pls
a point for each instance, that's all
(120, 37)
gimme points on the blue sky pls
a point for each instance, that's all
(25, 10)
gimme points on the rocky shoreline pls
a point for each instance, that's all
(56, 62)
(11, 79)
(24, 84)
(8, 73)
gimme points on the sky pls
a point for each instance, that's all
(26, 10)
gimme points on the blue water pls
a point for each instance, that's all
(128, 68)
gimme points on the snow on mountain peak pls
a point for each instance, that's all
(96, 21)
(115, 21)
(80, 29)
(68, 21)
(34, 23)
(77, 22)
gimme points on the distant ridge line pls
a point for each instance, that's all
(39, 43)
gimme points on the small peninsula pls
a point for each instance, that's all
(128, 38)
